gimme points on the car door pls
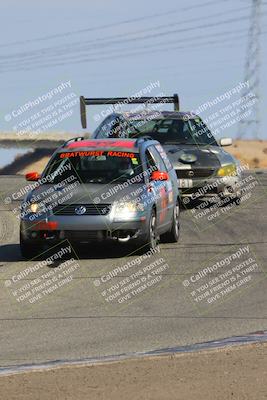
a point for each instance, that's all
(161, 189)
(171, 171)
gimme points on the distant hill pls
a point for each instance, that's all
(33, 141)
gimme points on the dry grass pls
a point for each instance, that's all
(251, 152)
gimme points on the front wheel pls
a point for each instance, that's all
(173, 235)
(27, 250)
(236, 199)
(151, 238)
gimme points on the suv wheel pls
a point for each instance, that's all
(173, 235)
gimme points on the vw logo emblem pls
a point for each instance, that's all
(191, 173)
(80, 210)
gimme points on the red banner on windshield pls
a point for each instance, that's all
(97, 153)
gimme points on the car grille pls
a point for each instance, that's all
(91, 209)
(85, 235)
(198, 173)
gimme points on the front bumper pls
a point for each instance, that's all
(208, 187)
(82, 229)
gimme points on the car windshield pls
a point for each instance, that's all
(173, 131)
(99, 166)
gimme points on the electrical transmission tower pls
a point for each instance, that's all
(249, 125)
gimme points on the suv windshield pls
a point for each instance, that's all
(95, 167)
(173, 131)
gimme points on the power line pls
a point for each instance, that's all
(116, 56)
(108, 40)
(162, 43)
(250, 124)
(106, 26)
(43, 52)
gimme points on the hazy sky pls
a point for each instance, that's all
(117, 47)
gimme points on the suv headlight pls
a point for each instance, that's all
(228, 170)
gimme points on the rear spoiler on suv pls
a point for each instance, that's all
(129, 100)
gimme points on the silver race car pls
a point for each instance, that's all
(92, 190)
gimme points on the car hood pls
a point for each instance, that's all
(202, 156)
(86, 193)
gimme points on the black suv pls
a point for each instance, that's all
(202, 166)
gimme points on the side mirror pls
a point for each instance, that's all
(226, 142)
(159, 176)
(32, 176)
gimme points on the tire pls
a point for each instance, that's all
(237, 200)
(27, 250)
(172, 236)
(232, 200)
(151, 238)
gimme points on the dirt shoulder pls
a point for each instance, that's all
(251, 152)
(232, 373)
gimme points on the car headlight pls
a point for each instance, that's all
(227, 170)
(123, 209)
(37, 207)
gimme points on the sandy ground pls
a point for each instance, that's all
(231, 373)
(252, 152)
(37, 166)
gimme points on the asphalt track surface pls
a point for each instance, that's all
(76, 321)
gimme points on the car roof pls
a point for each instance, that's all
(132, 145)
(158, 114)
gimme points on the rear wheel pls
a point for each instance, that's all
(173, 234)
